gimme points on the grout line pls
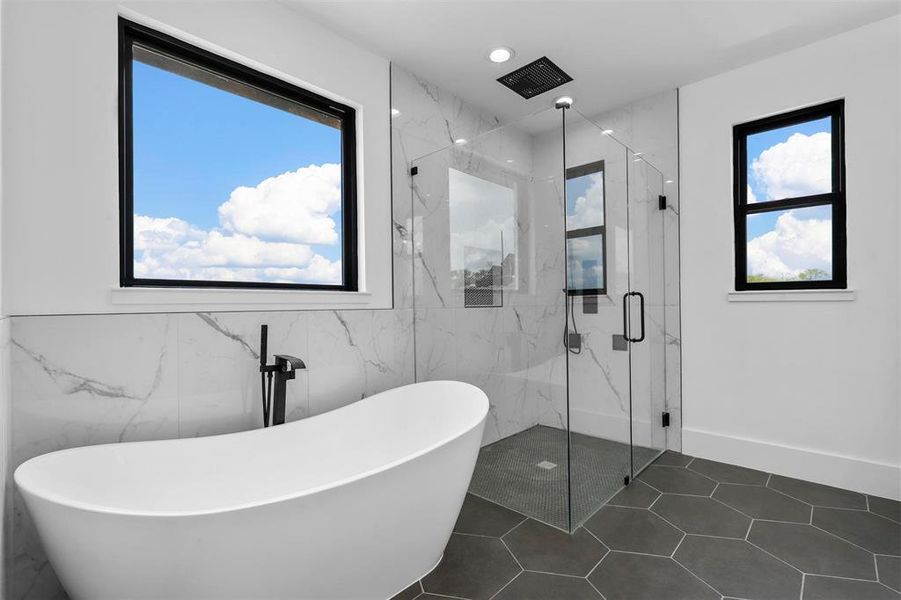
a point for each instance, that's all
(515, 577)
(554, 574)
(774, 556)
(516, 560)
(748, 532)
(692, 573)
(732, 507)
(769, 477)
(509, 531)
(803, 581)
(476, 535)
(838, 537)
(600, 560)
(676, 549)
(603, 597)
(446, 596)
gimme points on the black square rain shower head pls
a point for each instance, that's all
(535, 78)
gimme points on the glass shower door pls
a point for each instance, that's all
(644, 316)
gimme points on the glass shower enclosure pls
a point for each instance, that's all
(538, 276)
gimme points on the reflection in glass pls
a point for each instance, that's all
(790, 245)
(790, 162)
(586, 262)
(482, 244)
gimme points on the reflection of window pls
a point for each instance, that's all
(789, 194)
(482, 238)
(230, 177)
(586, 229)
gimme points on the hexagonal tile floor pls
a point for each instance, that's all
(685, 529)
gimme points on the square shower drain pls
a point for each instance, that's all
(547, 465)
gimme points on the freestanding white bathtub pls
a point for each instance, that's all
(355, 503)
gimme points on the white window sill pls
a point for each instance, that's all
(221, 299)
(792, 296)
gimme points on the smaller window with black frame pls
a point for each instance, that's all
(586, 233)
(789, 197)
(230, 177)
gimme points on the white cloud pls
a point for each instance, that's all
(752, 198)
(292, 207)
(794, 245)
(799, 166)
(588, 210)
(173, 249)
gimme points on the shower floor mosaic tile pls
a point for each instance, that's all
(685, 529)
(527, 473)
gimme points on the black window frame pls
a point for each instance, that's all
(131, 33)
(835, 110)
(574, 173)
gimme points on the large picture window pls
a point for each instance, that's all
(586, 233)
(230, 177)
(789, 195)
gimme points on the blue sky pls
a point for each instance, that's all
(194, 144)
(756, 144)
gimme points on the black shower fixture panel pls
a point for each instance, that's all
(535, 78)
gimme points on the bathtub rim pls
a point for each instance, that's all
(60, 499)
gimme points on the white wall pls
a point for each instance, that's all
(807, 389)
(61, 168)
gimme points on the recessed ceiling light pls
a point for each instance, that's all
(607, 132)
(460, 141)
(394, 112)
(501, 54)
(669, 181)
(509, 160)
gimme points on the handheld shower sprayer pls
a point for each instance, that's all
(284, 369)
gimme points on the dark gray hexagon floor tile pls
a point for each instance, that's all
(737, 568)
(633, 530)
(890, 509)
(540, 547)
(694, 514)
(876, 534)
(677, 481)
(818, 494)
(817, 587)
(763, 503)
(673, 459)
(725, 473)
(541, 586)
(636, 494)
(638, 577)
(812, 550)
(481, 517)
(413, 591)
(889, 568)
(473, 567)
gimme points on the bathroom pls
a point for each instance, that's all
(619, 326)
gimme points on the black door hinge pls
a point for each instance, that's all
(414, 171)
(665, 420)
(661, 202)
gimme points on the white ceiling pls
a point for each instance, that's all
(616, 51)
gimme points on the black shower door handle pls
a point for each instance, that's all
(626, 323)
(641, 306)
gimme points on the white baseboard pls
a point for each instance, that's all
(869, 477)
